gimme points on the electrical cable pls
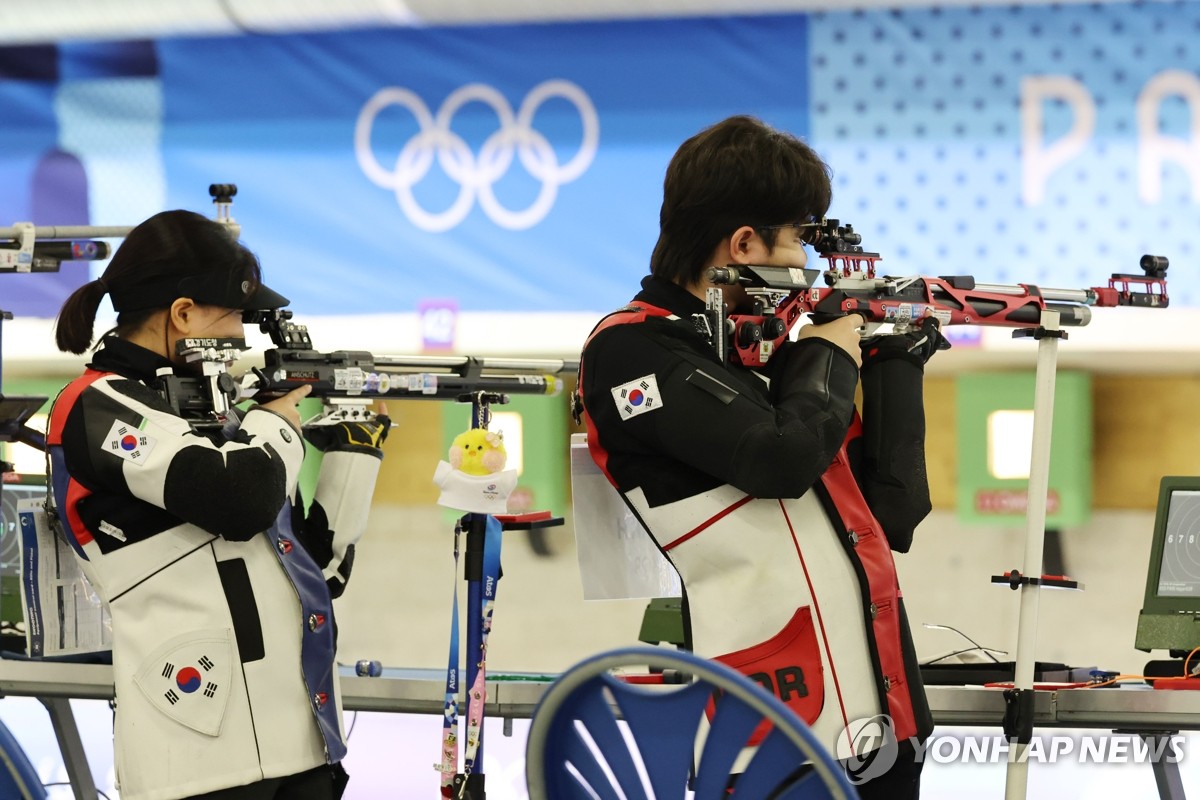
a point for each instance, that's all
(978, 646)
(986, 650)
(68, 783)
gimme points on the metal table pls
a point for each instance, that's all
(1146, 712)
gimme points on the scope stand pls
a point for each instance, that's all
(1018, 701)
(1018, 715)
(478, 592)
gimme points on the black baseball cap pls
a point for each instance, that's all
(229, 288)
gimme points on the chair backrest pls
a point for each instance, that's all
(18, 778)
(577, 749)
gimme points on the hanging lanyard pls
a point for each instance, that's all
(477, 693)
(448, 766)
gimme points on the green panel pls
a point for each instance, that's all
(987, 499)
(662, 622)
(543, 482)
(312, 456)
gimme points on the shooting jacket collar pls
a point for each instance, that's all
(128, 360)
(671, 296)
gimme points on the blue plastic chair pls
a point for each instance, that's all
(18, 778)
(576, 748)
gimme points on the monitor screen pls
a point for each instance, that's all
(1179, 573)
(33, 486)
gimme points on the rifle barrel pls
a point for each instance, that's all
(552, 366)
(426, 386)
(1083, 296)
(71, 232)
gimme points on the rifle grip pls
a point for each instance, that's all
(821, 317)
(828, 308)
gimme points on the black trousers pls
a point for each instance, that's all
(901, 782)
(323, 783)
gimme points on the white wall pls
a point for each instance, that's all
(397, 607)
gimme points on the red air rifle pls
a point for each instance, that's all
(852, 286)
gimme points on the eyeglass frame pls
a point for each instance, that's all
(815, 223)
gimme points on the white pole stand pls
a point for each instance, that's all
(1018, 717)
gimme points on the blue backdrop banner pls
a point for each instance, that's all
(515, 168)
(519, 168)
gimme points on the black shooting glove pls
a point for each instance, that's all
(916, 347)
(359, 436)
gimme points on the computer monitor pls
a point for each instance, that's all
(24, 488)
(1170, 618)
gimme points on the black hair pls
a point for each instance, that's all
(168, 245)
(738, 172)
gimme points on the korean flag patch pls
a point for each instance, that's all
(127, 442)
(637, 397)
(190, 679)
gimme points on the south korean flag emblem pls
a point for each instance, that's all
(637, 397)
(127, 442)
(188, 679)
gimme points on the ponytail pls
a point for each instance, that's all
(77, 318)
(148, 270)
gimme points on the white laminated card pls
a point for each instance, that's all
(63, 614)
(617, 558)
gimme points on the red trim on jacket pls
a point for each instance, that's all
(69, 395)
(710, 521)
(622, 316)
(837, 685)
(883, 587)
(63, 405)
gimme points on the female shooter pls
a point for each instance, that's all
(220, 585)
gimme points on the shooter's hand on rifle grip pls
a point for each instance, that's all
(359, 436)
(285, 406)
(916, 346)
(841, 331)
(829, 308)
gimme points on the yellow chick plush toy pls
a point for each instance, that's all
(478, 452)
(474, 478)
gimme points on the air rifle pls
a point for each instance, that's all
(346, 380)
(356, 374)
(25, 247)
(851, 285)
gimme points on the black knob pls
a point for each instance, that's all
(773, 328)
(222, 192)
(749, 333)
(227, 385)
(1154, 266)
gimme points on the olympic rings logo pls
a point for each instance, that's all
(476, 175)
